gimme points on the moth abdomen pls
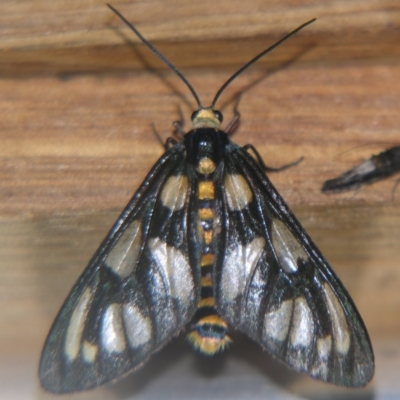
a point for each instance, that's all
(208, 332)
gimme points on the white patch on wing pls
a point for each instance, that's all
(238, 267)
(364, 168)
(341, 335)
(138, 327)
(174, 192)
(277, 322)
(89, 352)
(112, 331)
(123, 256)
(302, 324)
(287, 248)
(324, 346)
(175, 269)
(238, 192)
(77, 321)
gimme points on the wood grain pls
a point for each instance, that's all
(42, 37)
(77, 101)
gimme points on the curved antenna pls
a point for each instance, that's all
(158, 54)
(256, 58)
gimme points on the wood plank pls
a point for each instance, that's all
(77, 103)
(77, 24)
(74, 36)
(86, 143)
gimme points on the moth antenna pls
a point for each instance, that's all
(158, 54)
(256, 58)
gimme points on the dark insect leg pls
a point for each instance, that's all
(169, 142)
(158, 137)
(232, 126)
(178, 128)
(266, 167)
(178, 125)
(394, 188)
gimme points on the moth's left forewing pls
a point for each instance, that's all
(137, 292)
(274, 285)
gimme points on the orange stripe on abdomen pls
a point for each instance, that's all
(208, 330)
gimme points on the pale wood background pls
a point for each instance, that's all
(76, 106)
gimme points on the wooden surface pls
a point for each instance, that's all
(76, 107)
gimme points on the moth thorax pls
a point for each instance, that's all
(205, 148)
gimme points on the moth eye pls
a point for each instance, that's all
(218, 115)
(194, 115)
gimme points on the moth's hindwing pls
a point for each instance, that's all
(275, 286)
(137, 292)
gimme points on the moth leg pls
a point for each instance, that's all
(168, 143)
(232, 126)
(178, 125)
(158, 137)
(394, 188)
(265, 167)
(178, 129)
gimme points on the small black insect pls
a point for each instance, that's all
(374, 169)
(206, 244)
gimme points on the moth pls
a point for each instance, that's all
(374, 169)
(206, 245)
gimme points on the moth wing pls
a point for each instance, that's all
(361, 174)
(374, 169)
(137, 292)
(273, 284)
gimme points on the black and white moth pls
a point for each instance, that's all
(376, 168)
(206, 244)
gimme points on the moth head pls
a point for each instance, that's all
(207, 118)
